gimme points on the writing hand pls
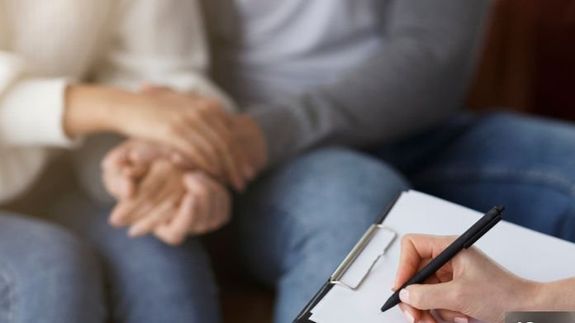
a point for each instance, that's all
(470, 286)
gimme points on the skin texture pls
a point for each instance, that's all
(172, 204)
(160, 192)
(470, 286)
(197, 127)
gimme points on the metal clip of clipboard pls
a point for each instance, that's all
(338, 275)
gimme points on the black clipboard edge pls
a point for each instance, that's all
(305, 314)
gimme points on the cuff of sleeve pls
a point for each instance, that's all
(31, 113)
(279, 126)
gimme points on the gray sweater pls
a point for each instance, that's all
(353, 72)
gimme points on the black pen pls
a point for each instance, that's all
(464, 241)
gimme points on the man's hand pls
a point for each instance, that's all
(156, 199)
(173, 204)
(250, 143)
(205, 208)
(125, 165)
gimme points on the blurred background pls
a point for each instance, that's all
(527, 64)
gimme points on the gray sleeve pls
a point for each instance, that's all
(420, 77)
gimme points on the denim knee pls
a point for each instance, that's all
(319, 203)
(524, 162)
(326, 184)
(47, 273)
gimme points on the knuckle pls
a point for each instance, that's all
(211, 104)
(173, 240)
(415, 298)
(455, 296)
(172, 128)
(194, 114)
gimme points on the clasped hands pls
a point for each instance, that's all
(173, 191)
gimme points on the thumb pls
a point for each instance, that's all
(430, 296)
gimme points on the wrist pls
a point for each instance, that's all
(95, 109)
(255, 141)
(553, 296)
(536, 296)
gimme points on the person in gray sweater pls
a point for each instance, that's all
(386, 79)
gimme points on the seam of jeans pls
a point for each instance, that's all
(5, 277)
(549, 178)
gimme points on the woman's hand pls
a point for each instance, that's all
(470, 286)
(196, 126)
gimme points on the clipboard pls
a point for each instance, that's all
(420, 213)
(337, 277)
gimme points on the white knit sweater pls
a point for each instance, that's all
(44, 45)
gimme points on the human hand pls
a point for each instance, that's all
(125, 165)
(196, 126)
(470, 286)
(159, 194)
(206, 208)
(249, 139)
(173, 204)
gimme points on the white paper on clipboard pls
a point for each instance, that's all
(415, 212)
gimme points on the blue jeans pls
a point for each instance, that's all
(298, 221)
(46, 275)
(292, 229)
(526, 164)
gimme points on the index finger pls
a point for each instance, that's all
(115, 158)
(415, 250)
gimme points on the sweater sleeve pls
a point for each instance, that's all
(419, 78)
(31, 109)
(160, 42)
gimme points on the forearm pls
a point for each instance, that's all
(554, 296)
(91, 109)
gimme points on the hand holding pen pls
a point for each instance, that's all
(471, 285)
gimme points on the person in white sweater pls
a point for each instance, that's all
(69, 69)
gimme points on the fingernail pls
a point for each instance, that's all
(460, 320)
(134, 232)
(404, 295)
(409, 317)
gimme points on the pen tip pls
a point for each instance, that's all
(389, 304)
